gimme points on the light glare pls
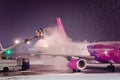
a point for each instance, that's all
(17, 41)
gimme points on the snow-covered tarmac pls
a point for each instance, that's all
(68, 76)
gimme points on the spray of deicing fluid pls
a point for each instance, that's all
(55, 43)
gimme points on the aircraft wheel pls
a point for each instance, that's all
(78, 70)
(111, 68)
(74, 71)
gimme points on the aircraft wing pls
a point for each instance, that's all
(69, 55)
(62, 55)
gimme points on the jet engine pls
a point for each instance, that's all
(77, 64)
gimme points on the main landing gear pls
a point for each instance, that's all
(111, 68)
(74, 71)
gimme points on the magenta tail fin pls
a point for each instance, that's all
(60, 26)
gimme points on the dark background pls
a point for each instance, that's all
(91, 20)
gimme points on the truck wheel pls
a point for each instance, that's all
(24, 68)
(5, 69)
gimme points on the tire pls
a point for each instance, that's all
(5, 69)
(111, 68)
(78, 70)
(74, 71)
(24, 69)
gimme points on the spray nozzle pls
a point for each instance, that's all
(39, 33)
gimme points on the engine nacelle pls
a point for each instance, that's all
(77, 64)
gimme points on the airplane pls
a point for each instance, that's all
(101, 52)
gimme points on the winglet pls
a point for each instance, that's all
(1, 48)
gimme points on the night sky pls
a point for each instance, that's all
(91, 20)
